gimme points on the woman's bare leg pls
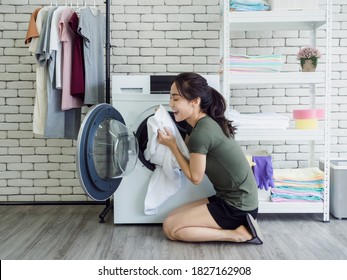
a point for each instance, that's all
(189, 206)
(195, 224)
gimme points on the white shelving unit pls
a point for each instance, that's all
(275, 21)
(278, 78)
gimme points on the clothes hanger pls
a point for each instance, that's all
(94, 9)
(78, 7)
(56, 3)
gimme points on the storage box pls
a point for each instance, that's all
(290, 5)
(338, 186)
(306, 124)
(300, 114)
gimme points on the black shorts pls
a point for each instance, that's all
(227, 216)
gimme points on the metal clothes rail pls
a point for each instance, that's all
(107, 203)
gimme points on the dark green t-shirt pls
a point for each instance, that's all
(226, 165)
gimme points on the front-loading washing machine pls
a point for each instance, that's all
(111, 144)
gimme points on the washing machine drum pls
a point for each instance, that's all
(106, 152)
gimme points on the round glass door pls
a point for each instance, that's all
(106, 151)
(115, 151)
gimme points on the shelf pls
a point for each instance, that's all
(277, 78)
(290, 207)
(309, 20)
(276, 135)
(276, 20)
(267, 206)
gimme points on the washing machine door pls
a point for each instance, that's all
(106, 152)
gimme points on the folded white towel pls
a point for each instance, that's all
(258, 120)
(166, 178)
(265, 116)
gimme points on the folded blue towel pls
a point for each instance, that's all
(289, 197)
(247, 5)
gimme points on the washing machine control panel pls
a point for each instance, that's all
(156, 84)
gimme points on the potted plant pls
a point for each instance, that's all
(308, 58)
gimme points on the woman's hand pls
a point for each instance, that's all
(193, 169)
(166, 137)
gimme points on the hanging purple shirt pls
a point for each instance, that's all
(77, 71)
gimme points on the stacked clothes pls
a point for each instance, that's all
(258, 121)
(260, 63)
(249, 5)
(298, 185)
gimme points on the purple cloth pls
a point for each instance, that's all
(77, 71)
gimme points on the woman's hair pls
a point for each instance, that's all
(192, 86)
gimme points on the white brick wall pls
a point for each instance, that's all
(153, 37)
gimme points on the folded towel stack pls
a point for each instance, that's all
(260, 63)
(258, 120)
(298, 185)
(307, 118)
(293, 5)
(249, 5)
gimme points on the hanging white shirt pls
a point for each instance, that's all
(40, 106)
(55, 44)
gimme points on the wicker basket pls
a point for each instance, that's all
(289, 5)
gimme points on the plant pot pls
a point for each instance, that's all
(308, 64)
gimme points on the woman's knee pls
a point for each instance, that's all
(168, 228)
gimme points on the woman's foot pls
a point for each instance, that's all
(241, 234)
(254, 230)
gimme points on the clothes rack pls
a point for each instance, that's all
(107, 203)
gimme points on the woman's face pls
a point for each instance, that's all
(181, 107)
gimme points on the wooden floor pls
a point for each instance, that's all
(74, 232)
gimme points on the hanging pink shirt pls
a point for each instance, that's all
(66, 36)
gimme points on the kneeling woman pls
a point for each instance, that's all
(230, 214)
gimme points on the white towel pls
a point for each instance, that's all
(258, 120)
(166, 178)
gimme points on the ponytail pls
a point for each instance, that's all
(217, 110)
